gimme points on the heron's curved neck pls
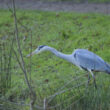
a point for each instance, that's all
(59, 54)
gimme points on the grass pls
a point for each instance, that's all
(65, 32)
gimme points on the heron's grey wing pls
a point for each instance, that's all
(89, 60)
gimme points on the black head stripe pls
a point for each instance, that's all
(41, 46)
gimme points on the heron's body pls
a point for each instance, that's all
(88, 60)
(82, 58)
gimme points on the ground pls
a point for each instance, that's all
(64, 31)
(58, 6)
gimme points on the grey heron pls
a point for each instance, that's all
(82, 58)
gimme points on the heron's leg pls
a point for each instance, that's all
(93, 78)
(86, 90)
(88, 78)
(88, 81)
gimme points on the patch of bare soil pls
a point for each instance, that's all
(58, 6)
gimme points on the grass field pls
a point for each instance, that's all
(65, 32)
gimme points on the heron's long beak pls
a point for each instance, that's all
(34, 52)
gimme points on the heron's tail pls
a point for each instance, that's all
(108, 68)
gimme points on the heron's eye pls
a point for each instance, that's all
(39, 48)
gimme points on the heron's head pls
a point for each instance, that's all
(38, 50)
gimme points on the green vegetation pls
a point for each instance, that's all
(65, 32)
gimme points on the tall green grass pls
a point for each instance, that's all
(65, 32)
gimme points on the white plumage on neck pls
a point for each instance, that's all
(67, 57)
